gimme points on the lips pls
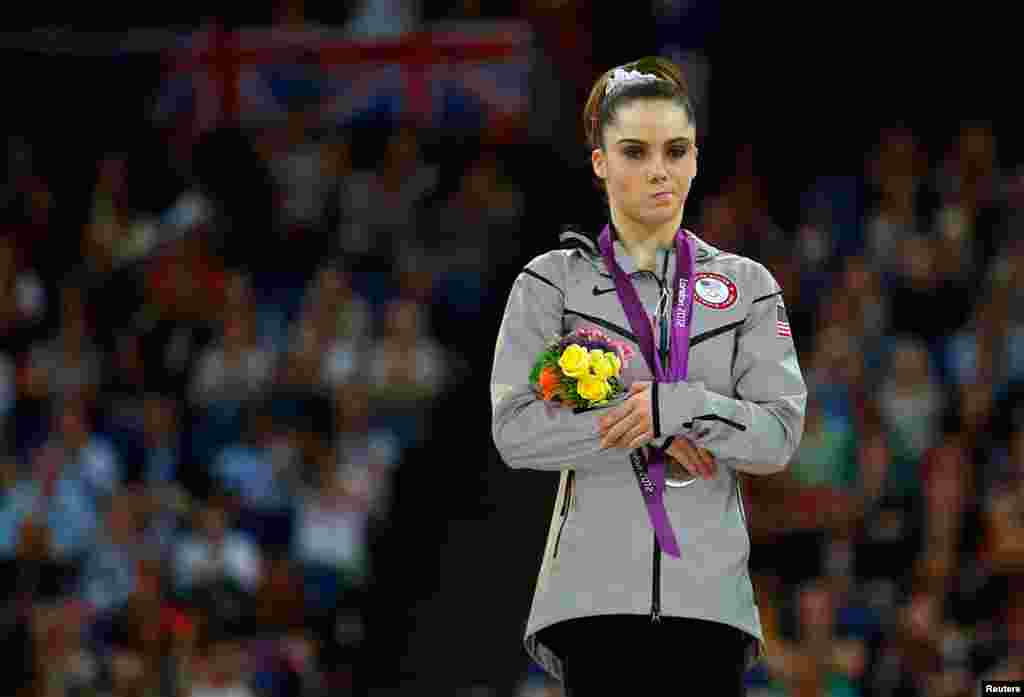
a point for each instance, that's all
(662, 195)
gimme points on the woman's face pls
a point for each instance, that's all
(648, 161)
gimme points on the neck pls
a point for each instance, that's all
(641, 241)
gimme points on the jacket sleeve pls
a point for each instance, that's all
(757, 428)
(527, 431)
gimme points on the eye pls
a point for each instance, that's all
(679, 152)
(633, 153)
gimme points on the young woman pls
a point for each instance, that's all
(644, 577)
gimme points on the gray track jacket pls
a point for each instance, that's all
(743, 401)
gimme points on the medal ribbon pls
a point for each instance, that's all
(650, 472)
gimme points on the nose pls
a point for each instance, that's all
(658, 170)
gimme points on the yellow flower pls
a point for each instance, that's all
(575, 361)
(592, 388)
(616, 362)
(604, 364)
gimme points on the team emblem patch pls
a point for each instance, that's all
(715, 291)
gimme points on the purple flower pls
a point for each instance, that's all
(590, 338)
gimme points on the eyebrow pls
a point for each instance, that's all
(644, 142)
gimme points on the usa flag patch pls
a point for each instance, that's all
(782, 322)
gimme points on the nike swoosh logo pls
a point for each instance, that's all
(602, 291)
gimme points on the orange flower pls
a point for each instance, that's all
(549, 382)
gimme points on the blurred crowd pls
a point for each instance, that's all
(887, 557)
(202, 424)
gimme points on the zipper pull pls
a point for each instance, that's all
(656, 616)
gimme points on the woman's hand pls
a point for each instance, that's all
(696, 460)
(630, 425)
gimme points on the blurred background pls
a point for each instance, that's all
(252, 267)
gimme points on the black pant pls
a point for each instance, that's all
(602, 651)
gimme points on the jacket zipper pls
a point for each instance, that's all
(656, 562)
(565, 508)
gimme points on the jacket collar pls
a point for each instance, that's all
(588, 242)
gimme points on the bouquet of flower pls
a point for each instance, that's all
(581, 369)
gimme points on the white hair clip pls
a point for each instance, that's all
(620, 77)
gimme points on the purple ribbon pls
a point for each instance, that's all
(650, 472)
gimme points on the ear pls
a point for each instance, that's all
(600, 164)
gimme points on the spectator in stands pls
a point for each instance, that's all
(827, 454)
(366, 451)
(971, 189)
(299, 164)
(216, 554)
(279, 603)
(344, 315)
(71, 361)
(836, 374)
(342, 322)
(144, 633)
(989, 349)
(167, 483)
(484, 201)
(331, 537)
(408, 363)
(185, 289)
(262, 473)
(65, 665)
(862, 288)
(922, 284)
(382, 207)
(818, 660)
(23, 301)
(895, 172)
(912, 652)
(229, 373)
(115, 222)
(302, 367)
(235, 368)
(110, 573)
(911, 400)
(30, 203)
(719, 223)
(220, 667)
(746, 194)
(86, 453)
(122, 392)
(57, 501)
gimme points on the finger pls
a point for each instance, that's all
(689, 465)
(637, 437)
(691, 456)
(643, 439)
(681, 455)
(702, 458)
(611, 418)
(685, 457)
(616, 432)
(627, 438)
(709, 459)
